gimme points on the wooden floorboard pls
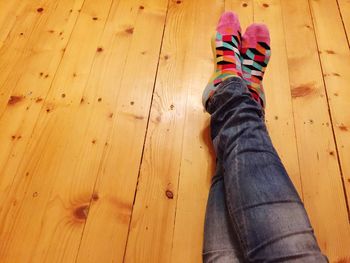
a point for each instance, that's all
(30, 57)
(320, 172)
(9, 12)
(135, 53)
(40, 185)
(105, 154)
(197, 161)
(154, 213)
(344, 10)
(335, 63)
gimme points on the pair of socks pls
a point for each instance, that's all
(240, 56)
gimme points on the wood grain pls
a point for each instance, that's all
(152, 226)
(129, 62)
(9, 11)
(344, 9)
(335, 61)
(197, 156)
(321, 177)
(24, 41)
(40, 186)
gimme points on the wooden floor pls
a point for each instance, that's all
(104, 146)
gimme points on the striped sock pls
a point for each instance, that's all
(255, 55)
(226, 44)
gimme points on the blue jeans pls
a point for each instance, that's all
(254, 213)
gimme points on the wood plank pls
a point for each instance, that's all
(152, 225)
(34, 188)
(197, 156)
(22, 44)
(136, 59)
(344, 8)
(36, 51)
(88, 114)
(335, 61)
(26, 87)
(9, 11)
(321, 178)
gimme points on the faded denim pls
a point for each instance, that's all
(254, 213)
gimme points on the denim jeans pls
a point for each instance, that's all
(254, 213)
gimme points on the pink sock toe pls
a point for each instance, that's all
(228, 24)
(256, 33)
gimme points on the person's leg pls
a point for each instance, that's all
(264, 208)
(220, 241)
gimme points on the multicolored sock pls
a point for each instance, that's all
(226, 45)
(255, 55)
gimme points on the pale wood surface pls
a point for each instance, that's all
(324, 195)
(335, 62)
(105, 153)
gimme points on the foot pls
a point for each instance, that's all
(226, 45)
(255, 55)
